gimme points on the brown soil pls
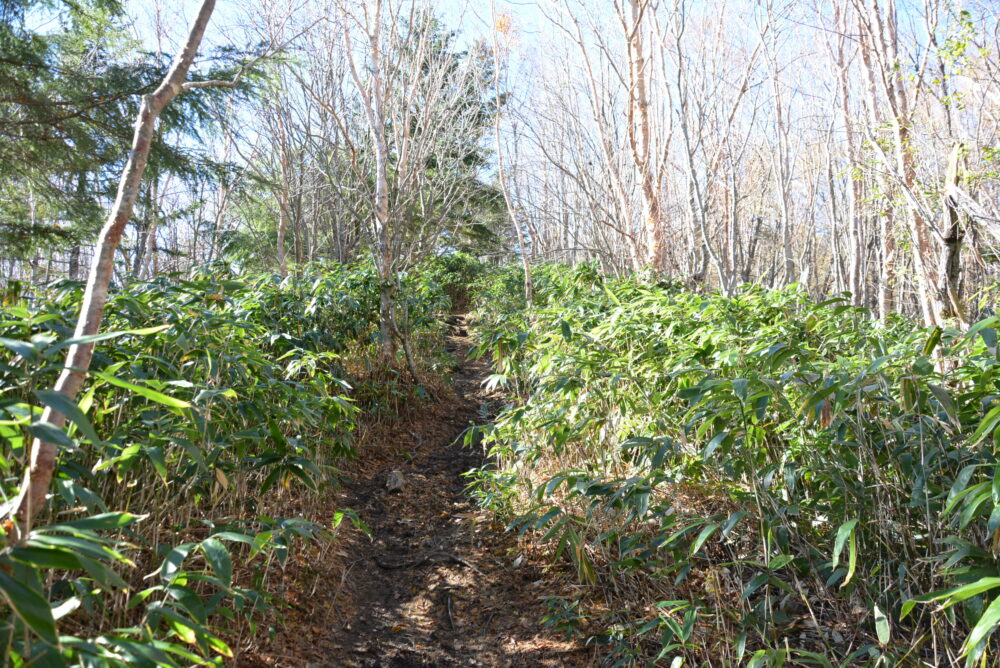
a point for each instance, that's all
(436, 584)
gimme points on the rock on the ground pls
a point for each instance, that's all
(395, 482)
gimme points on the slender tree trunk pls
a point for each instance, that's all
(373, 102)
(854, 230)
(921, 251)
(887, 274)
(920, 243)
(529, 286)
(38, 476)
(282, 232)
(887, 271)
(640, 137)
(382, 230)
(781, 169)
(949, 302)
(74, 262)
(74, 253)
(149, 247)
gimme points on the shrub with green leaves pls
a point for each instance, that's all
(455, 272)
(759, 478)
(216, 405)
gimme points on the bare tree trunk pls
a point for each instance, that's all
(854, 231)
(74, 253)
(282, 196)
(880, 38)
(639, 135)
(43, 454)
(149, 247)
(74, 262)
(373, 102)
(949, 301)
(920, 242)
(887, 268)
(781, 161)
(282, 232)
(529, 286)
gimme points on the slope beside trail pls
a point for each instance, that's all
(439, 583)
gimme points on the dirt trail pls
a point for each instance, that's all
(436, 585)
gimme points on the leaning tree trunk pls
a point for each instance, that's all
(43, 454)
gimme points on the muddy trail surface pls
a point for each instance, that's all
(438, 583)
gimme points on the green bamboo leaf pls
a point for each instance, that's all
(93, 338)
(60, 402)
(156, 457)
(81, 546)
(567, 333)
(881, 625)
(755, 583)
(947, 403)
(732, 521)
(45, 557)
(31, 607)
(972, 507)
(22, 348)
(173, 561)
(780, 561)
(982, 324)
(951, 596)
(141, 390)
(805, 656)
(218, 558)
(716, 441)
(95, 523)
(49, 433)
(846, 530)
(986, 625)
(740, 388)
(815, 398)
(932, 341)
(852, 560)
(703, 535)
(960, 488)
(987, 425)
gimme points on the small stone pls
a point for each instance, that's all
(395, 482)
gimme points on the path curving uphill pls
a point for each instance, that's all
(436, 584)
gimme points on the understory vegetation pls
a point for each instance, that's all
(217, 411)
(759, 479)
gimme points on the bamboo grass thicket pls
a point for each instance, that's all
(216, 410)
(757, 478)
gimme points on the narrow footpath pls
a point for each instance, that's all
(439, 583)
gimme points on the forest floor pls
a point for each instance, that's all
(438, 582)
